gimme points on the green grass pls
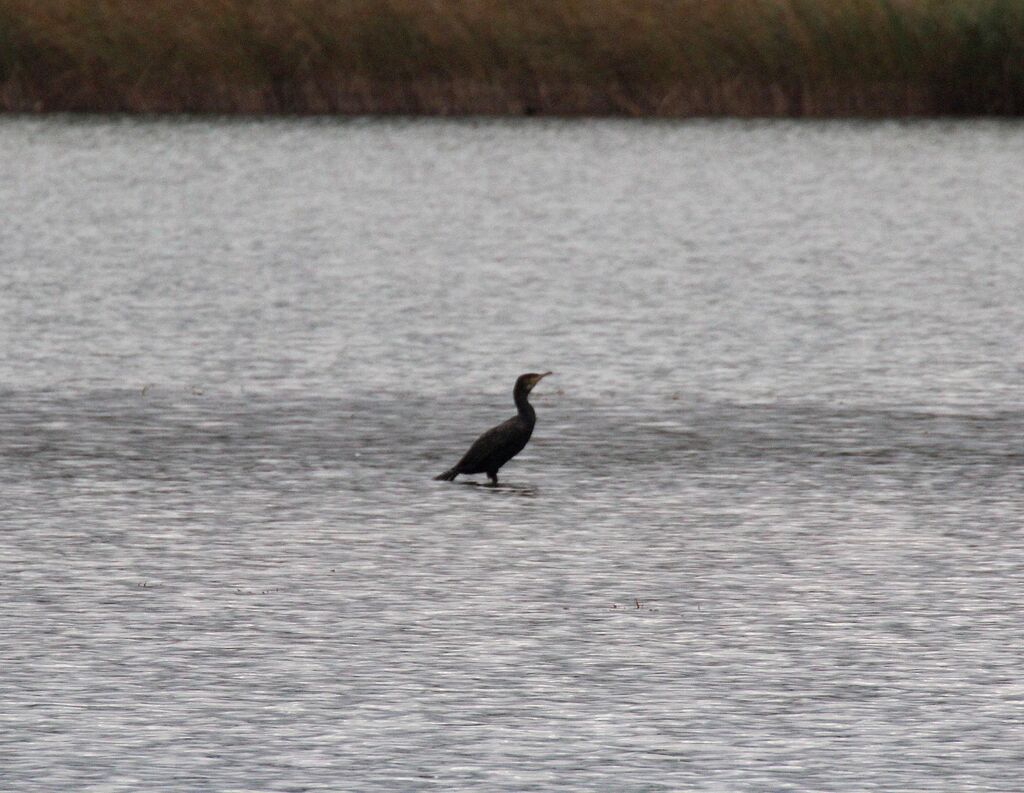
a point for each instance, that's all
(631, 57)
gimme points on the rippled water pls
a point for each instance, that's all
(769, 534)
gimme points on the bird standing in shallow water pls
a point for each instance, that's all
(500, 444)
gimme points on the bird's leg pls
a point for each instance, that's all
(493, 476)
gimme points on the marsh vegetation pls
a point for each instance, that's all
(609, 57)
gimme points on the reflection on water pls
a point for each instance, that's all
(768, 533)
(503, 488)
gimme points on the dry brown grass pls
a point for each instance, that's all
(632, 57)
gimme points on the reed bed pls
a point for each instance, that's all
(566, 57)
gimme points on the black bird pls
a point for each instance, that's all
(500, 444)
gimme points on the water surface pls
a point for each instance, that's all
(768, 535)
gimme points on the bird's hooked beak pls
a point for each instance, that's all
(539, 378)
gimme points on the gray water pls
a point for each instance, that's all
(769, 534)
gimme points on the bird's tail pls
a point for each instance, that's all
(448, 475)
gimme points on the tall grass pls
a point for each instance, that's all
(634, 57)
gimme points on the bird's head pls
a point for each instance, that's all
(526, 382)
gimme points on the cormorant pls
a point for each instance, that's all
(500, 444)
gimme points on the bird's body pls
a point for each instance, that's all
(500, 444)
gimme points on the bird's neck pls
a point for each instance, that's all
(526, 410)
